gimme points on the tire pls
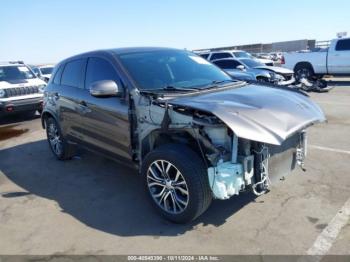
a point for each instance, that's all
(57, 143)
(304, 71)
(183, 183)
(261, 79)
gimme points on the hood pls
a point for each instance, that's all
(259, 72)
(21, 83)
(277, 69)
(241, 75)
(259, 113)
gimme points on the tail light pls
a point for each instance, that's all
(282, 60)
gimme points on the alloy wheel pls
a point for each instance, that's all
(167, 186)
(55, 139)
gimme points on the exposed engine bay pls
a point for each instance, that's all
(234, 163)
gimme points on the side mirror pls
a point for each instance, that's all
(104, 88)
(240, 67)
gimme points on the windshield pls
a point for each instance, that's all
(15, 73)
(251, 62)
(242, 54)
(176, 68)
(46, 70)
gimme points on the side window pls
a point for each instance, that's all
(99, 69)
(227, 64)
(343, 45)
(220, 55)
(36, 71)
(58, 74)
(72, 73)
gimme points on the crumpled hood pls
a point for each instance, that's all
(276, 69)
(21, 83)
(264, 114)
(242, 75)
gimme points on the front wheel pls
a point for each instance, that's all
(177, 182)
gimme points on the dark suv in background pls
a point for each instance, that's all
(193, 132)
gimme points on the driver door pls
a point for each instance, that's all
(105, 121)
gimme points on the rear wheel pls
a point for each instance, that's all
(58, 145)
(177, 182)
(304, 71)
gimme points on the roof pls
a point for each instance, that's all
(126, 50)
(118, 51)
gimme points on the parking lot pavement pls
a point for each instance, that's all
(91, 205)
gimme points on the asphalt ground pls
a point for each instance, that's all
(91, 205)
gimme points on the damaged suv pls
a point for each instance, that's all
(193, 133)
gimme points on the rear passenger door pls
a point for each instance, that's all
(67, 96)
(105, 122)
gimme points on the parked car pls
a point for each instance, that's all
(193, 133)
(276, 56)
(214, 55)
(334, 60)
(260, 72)
(264, 56)
(238, 71)
(43, 71)
(20, 89)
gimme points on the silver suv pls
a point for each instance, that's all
(193, 133)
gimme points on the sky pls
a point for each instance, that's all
(47, 31)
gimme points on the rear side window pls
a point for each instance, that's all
(72, 73)
(343, 45)
(220, 55)
(58, 74)
(227, 64)
(99, 69)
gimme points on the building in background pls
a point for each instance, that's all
(286, 46)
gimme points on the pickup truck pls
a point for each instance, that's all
(335, 60)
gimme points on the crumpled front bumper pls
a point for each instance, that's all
(286, 82)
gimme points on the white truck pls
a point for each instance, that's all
(335, 60)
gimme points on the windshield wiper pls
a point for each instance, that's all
(217, 83)
(223, 81)
(174, 88)
(169, 88)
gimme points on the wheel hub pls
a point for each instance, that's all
(169, 184)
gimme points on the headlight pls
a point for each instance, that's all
(272, 75)
(42, 88)
(279, 77)
(2, 93)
